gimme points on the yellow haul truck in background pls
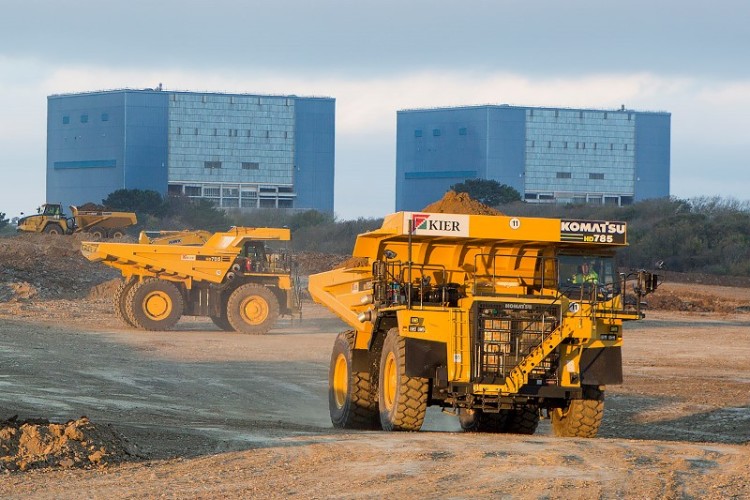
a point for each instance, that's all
(234, 277)
(502, 320)
(99, 223)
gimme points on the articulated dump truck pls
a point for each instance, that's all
(234, 277)
(499, 320)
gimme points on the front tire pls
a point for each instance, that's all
(352, 400)
(55, 229)
(402, 400)
(154, 304)
(252, 309)
(582, 417)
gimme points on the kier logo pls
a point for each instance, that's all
(439, 224)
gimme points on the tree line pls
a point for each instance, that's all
(708, 235)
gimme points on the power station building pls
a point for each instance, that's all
(547, 154)
(238, 150)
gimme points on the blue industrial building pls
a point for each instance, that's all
(547, 154)
(238, 150)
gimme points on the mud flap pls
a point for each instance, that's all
(601, 366)
(424, 357)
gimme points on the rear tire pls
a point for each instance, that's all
(523, 420)
(582, 417)
(154, 304)
(117, 233)
(120, 300)
(352, 400)
(402, 400)
(222, 322)
(98, 233)
(252, 309)
(480, 421)
(53, 229)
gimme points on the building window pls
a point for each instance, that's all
(626, 147)
(105, 117)
(549, 144)
(211, 164)
(563, 175)
(174, 189)
(250, 165)
(565, 145)
(605, 115)
(179, 130)
(594, 145)
(192, 190)
(66, 120)
(462, 131)
(583, 145)
(611, 146)
(84, 118)
(436, 132)
(597, 177)
(417, 133)
(557, 113)
(215, 131)
(533, 144)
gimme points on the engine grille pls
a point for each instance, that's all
(506, 332)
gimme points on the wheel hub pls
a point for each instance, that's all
(340, 381)
(390, 381)
(157, 305)
(254, 310)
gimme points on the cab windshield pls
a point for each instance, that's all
(588, 274)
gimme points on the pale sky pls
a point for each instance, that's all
(686, 57)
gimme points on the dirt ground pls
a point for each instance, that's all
(198, 412)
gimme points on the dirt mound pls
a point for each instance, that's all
(93, 207)
(460, 203)
(39, 444)
(47, 267)
(316, 262)
(671, 297)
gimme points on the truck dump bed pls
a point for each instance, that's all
(86, 219)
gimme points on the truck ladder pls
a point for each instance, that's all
(519, 375)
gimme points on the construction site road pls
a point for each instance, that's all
(222, 414)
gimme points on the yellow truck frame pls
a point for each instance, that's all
(100, 224)
(489, 317)
(231, 277)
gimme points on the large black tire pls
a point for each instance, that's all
(523, 420)
(222, 322)
(98, 233)
(252, 309)
(116, 233)
(120, 298)
(53, 229)
(352, 399)
(154, 304)
(582, 417)
(480, 421)
(402, 400)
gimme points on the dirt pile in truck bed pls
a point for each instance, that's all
(460, 203)
(39, 444)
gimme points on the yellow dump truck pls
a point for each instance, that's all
(235, 277)
(500, 320)
(99, 223)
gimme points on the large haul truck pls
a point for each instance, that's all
(500, 320)
(99, 223)
(233, 277)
